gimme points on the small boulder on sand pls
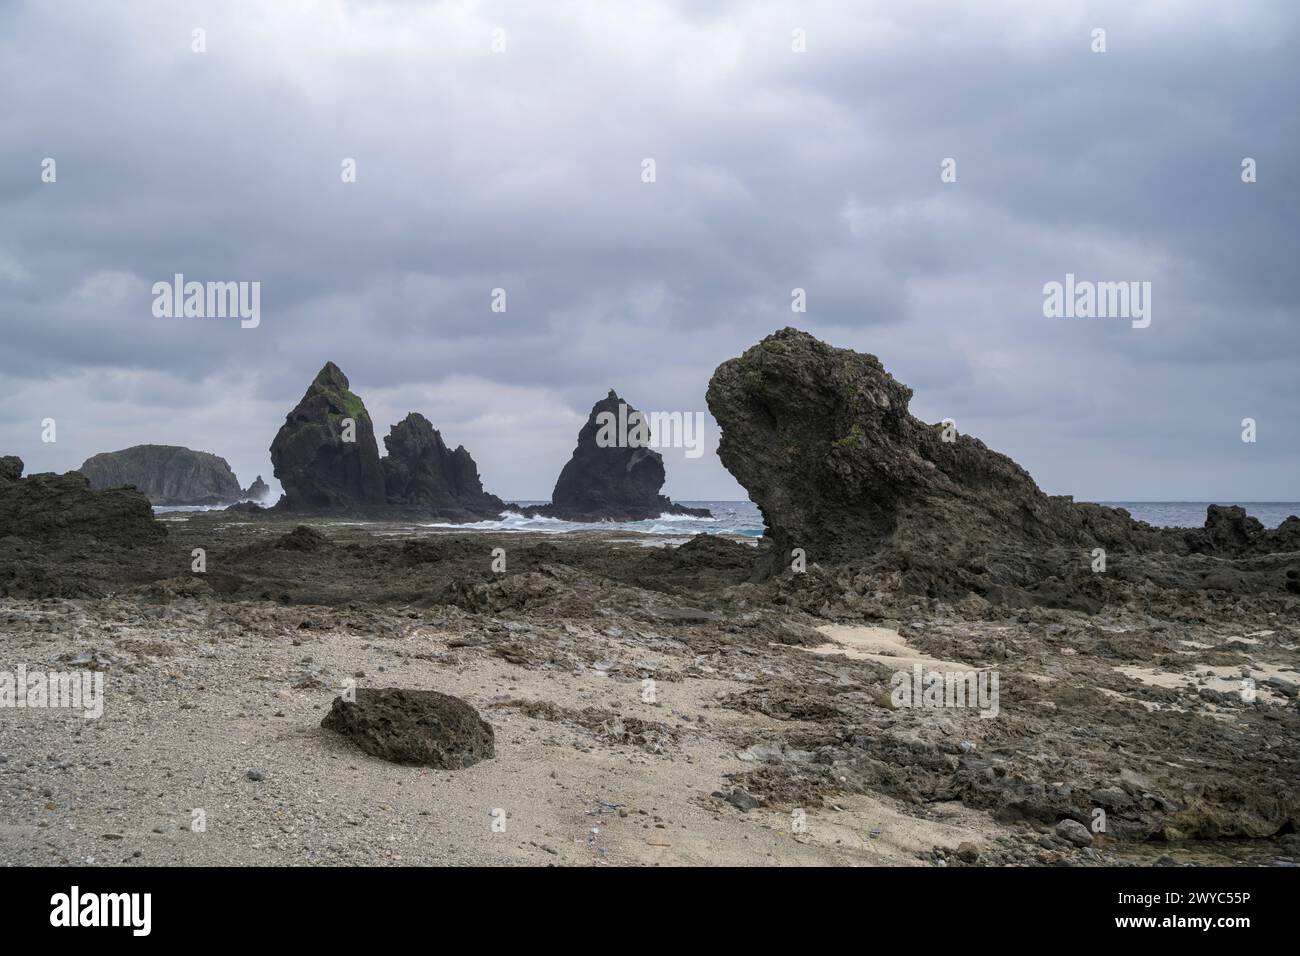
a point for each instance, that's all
(420, 727)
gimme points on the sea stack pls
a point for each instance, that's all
(613, 475)
(327, 461)
(166, 474)
(257, 491)
(325, 455)
(422, 474)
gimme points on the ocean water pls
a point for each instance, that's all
(172, 509)
(1191, 514)
(742, 518)
(729, 517)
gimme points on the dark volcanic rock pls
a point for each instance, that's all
(420, 477)
(413, 727)
(616, 482)
(167, 474)
(318, 470)
(1230, 531)
(421, 473)
(822, 440)
(48, 506)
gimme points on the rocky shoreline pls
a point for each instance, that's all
(712, 701)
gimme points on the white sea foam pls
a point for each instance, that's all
(729, 517)
(665, 524)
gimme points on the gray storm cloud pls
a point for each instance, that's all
(521, 170)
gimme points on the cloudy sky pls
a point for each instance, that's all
(521, 168)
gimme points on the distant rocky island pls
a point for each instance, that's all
(171, 475)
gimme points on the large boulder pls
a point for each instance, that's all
(167, 474)
(822, 440)
(319, 470)
(420, 727)
(47, 507)
(612, 480)
(422, 474)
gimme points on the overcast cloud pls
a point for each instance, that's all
(775, 169)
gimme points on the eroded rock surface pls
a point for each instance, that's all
(40, 508)
(822, 440)
(1230, 531)
(413, 727)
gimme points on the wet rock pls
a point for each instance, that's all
(167, 474)
(413, 727)
(422, 473)
(613, 475)
(317, 468)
